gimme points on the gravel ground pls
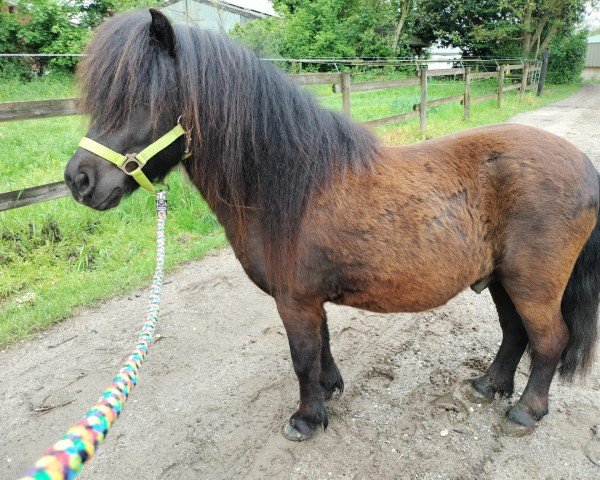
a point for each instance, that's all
(219, 384)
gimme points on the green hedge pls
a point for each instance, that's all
(567, 58)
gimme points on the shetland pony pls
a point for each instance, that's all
(318, 211)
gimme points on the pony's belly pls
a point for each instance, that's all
(397, 299)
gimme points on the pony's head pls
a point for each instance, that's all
(130, 90)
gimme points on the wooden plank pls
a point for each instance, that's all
(346, 94)
(32, 195)
(508, 88)
(445, 72)
(393, 119)
(484, 75)
(508, 68)
(440, 101)
(368, 86)
(482, 98)
(467, 100)
(38, 109)
(316, 78)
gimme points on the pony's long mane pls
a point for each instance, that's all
(258, 143)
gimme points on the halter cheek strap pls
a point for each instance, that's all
(132, 163)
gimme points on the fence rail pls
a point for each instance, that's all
(341, 83)
(38, 109)
(445, 72)
(317, 78)
(378, 85)
(440, 101)
(32, 195)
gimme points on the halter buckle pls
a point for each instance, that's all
(131, 160)
(188, 136)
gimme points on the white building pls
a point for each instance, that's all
(592, 59)
(217, 14)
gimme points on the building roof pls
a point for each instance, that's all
(262, 6)
(210, 14)
(594, 39)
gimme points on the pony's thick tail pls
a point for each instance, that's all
(580, 308)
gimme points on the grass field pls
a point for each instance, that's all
(59, 255)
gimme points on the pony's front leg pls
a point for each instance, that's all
(302, 321)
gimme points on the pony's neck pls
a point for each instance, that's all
(261, 146)
(259, 133)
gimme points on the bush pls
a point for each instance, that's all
(567, 58)
(47, 26)
(261, 36)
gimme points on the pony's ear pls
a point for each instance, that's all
(162, 31)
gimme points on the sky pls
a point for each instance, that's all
(593, 17)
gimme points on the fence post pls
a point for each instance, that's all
(423, 106)
(294, 67)
(500, 85)
(467, 100)
(346, 93)
(524, 79)
(542, 78)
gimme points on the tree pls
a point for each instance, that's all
(125, 5)
(333, 28)
(567, 57)
(403, 10)
(498, 27)
(262, 36)
(50, 26)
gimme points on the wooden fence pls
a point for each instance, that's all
(341, 83)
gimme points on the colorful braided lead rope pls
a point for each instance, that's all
(65, 459)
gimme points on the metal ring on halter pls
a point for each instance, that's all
(131, 160)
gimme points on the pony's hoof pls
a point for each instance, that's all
(518, 422)
(290, 433)
(478, 392)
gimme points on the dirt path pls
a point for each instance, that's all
(576, 118)
(219, 384)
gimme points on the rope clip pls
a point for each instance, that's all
(161, 200)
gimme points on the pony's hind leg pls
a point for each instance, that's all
(303, 323)
(548, 336)
(330, 378)
(499, 377)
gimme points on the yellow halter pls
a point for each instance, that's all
(132, 163)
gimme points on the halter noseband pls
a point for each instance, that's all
(132, 163)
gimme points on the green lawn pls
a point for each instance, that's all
(52, 86)
(59, 255)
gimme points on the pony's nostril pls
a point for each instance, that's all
(83, 184)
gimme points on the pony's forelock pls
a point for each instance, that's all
(124, 69)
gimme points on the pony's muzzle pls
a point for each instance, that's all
(94, 182)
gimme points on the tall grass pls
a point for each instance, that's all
(59, 255)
